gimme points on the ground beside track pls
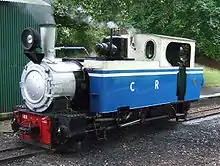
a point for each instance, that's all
(194, 142)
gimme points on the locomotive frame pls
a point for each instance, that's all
(120, 87)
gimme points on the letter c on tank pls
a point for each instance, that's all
(131, 86)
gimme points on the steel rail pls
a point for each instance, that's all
(206, 113)
(11, 148)
(205, 110)
(20, 156)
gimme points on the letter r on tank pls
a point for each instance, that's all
(157, 84)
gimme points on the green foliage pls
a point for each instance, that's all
(105, 10)
(84, 37)
(73, 26)
(199, 20)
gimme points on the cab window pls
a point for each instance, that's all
(150, 50)
(177, 52)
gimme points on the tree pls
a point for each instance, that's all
(198, 20)
(74, 27)
(84, 22)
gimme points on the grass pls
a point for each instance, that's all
(211, 76)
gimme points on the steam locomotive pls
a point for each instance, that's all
(133, 78)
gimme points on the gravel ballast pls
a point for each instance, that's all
(194, 142)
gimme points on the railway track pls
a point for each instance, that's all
(17, 152)
(202, 113)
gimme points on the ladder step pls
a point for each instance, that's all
(179, 114)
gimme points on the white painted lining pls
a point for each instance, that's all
(131, 74)
(194, 72)
(131, 65)
(139, 74)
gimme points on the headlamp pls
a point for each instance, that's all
(30, 39)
